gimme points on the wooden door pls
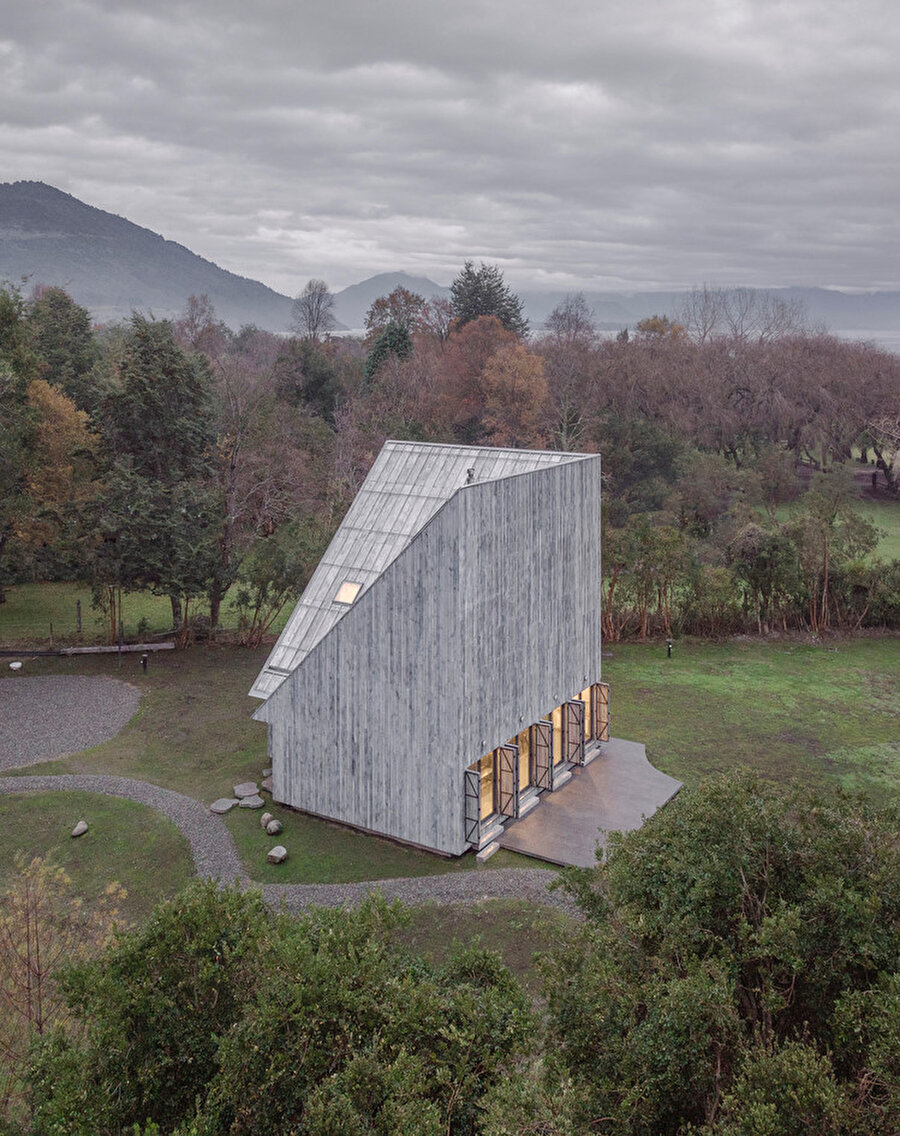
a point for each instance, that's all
(507, 758)
(600, 711)
(573, 731)
(472, 792)
(541, 756)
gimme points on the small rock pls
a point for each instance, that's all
(267, 773)
(277, 855)
(264, 819)
(223, 805)
(274, 827)
(266, 784)
(80, 829)
(255, 802)
(246, 789)
(16, 666)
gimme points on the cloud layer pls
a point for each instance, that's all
(613, 145)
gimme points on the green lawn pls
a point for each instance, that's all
(126, 842)
(788, 709)
(323, 853)
(30, 610)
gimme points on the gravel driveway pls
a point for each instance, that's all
(47, 716)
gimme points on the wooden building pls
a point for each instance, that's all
(441, 670)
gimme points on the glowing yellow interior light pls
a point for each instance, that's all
(347, 592)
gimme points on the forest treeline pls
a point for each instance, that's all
(189, 459)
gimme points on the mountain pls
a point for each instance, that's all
(839, 312)
(111, 266)
(351, 304)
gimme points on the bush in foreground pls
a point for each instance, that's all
(737, 974)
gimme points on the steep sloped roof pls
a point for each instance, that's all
(406, 486)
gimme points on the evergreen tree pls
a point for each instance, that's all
(156, 515)
(482, 292)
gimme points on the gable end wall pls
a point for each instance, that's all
(490, 615)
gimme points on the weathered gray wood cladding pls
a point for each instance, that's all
(487, 619)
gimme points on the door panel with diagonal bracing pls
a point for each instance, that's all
(473, 805)
(508, 780)
(573, 731)
(600, 711)
(540, 749)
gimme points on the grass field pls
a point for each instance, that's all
(151, 867)
(787, 708)
(31, 609)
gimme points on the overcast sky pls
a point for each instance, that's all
(605, 144)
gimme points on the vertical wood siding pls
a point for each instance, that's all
(490, 617)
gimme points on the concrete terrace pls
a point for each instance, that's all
(617, 791)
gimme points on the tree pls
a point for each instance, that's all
(42, 926)
(313, 311)
(18, 366)
(883, 434)
(515, 398)
(60, 334)
(827, 530)
(59, 482)
(392, 341)
(154, 1007)
(482, 292)
(572, 322)
(568, 351)
(401, 307)
(156, 514)
(740, 314)
(242, 1021)
(275, 572)
(732, 947)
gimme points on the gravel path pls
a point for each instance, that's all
(47, 716)
(212, 845)
(215, 854)
(452, 887)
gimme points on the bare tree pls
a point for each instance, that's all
(572, 322)
(744, 314)
(313, 311)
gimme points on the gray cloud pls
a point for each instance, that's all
(616, 145)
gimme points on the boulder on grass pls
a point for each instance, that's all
(80, 829)
(277, 855)
(264, 819)
(246, 789)
(274, 827)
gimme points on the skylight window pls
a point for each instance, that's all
(347, 592)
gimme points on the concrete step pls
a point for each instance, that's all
(485, 853)
(527, 803)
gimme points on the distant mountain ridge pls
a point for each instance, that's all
(112, 266)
